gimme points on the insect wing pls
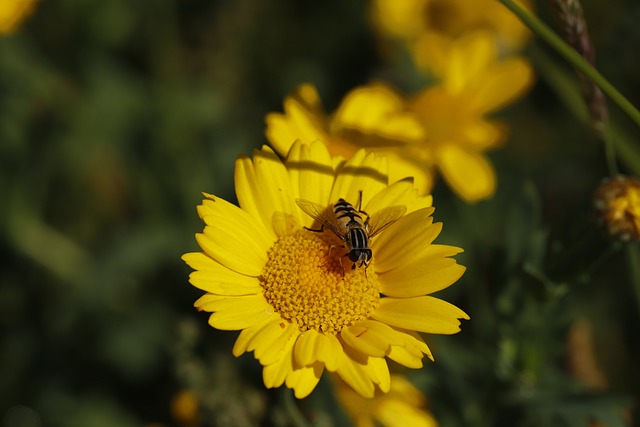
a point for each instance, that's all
(322, 214)
(384, 218)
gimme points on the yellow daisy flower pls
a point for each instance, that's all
(287, 289)
(13, 12)
(404, 405)
(444, 127)
(428, 27)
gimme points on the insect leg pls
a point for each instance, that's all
(316, 231)
(359, 208)
(342, 265)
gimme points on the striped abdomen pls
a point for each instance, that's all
(346, 216)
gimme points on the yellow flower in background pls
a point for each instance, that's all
(377, 123)
(285, 288)
(443, 128)
(13, 12)
(474, 85)
(428, 27)
(404, 405)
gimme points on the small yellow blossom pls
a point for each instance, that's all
(404, 405)
(617, 203)
(185, 408)
(13, 12)
(429, 27)
(285, 287)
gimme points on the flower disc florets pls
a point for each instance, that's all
(305, 282)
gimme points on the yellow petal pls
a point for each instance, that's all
(501, 84)
(393, 412)
(366, 173)
(377, 111)
(304, 380)
(13, 13)
(215, 278)
(398, 193)
(402, 166)
(250, 193)
(263, 188)
(422, 314)
(247, 335)
(468, 173)
(218, 212)
(363, 372)
(481, 135)
(280, 132)
(355, 375)
(303, 120)
(469, 57)
(202, 262)
(379, 373)
(235, 249)
(329, 351)
(307, 94)
(431, 52)
(410, 354)
(212, 302)
(404, 241)
(205, 301)
(399, 19)
(310, 173)
(304, 351)
(424, 276)
(309, 121)
(241, 313)
(228, 282)
(269, 332)
(406, 357)
(273, 182)
(371, 338)
(270, 344)
(275, 374)
(313, 346)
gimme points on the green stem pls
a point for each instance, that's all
(556, 42)
(610, 149)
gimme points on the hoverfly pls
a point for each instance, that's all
(346, 222)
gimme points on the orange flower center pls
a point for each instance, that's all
(305, 282)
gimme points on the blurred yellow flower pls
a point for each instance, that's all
(185, 408)
(13, 12)
(428, 27)
(284, 286)
(475, 84)
(444, 127)
(617, 203)
(376, 122)
(404, 405)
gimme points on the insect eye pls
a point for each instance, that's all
(354, 255)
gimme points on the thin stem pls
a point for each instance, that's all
(556, 42)
(610, 149)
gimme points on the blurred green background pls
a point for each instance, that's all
(116, 115)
